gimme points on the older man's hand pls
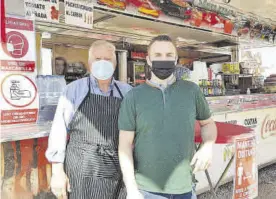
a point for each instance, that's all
(60, 185)
(203, 158)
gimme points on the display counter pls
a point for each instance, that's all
(256, 111)
(219, 105)
(240, 103)
(25, 170)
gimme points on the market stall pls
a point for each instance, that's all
(207, 39)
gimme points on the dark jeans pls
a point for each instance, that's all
(150, 195)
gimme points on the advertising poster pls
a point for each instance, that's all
(45, 10)
(79, 13)
(246, 170)
(18, 54)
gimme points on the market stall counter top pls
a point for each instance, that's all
(240, 103)
(23, 132)
(219, 105)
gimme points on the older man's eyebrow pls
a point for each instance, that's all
(170, 54)
(157, 54)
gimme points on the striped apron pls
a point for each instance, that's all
(91, 160)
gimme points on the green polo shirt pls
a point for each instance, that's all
(163, 121)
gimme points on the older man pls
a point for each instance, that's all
(87, 166)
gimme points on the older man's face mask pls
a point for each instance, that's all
(102, 67)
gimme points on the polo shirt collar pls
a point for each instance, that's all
(160, 86)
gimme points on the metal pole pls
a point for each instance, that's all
(122, 64)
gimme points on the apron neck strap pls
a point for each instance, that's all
(119, 91)
(89, 84)
(111, 93)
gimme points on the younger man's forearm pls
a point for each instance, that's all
(209, 133)
(127, 167)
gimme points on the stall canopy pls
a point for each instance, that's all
(264, 8)
(125, 29)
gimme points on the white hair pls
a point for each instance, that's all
(102, 43)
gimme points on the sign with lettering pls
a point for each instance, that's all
(79, 13)
(246, 170)
(18, 101)
(47, 10)
(268, 127)
(19, 52)
(211, 6)
(251, 122)
(138, 55)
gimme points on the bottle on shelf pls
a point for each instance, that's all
(248, 91)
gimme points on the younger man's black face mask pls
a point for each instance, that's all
(163, 69)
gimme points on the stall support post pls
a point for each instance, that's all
(122, 64)
(235, 54)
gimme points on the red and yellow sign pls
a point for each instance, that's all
(246, 170)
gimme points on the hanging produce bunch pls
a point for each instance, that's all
(116, 4)
(175, 8)
(146, 7)
(200, 14)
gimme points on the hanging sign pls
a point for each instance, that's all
(18, 52)
(210, 6)
(18, 101)
(138, 55)
(79, 13)
(246, 171)
(47, 10)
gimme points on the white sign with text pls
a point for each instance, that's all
(79, 13)
(46, 10)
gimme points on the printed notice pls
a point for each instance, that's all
(18, 53)
(246, 169)
(47, 10)
(79, 13)
(18, 100)
(18, 116)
